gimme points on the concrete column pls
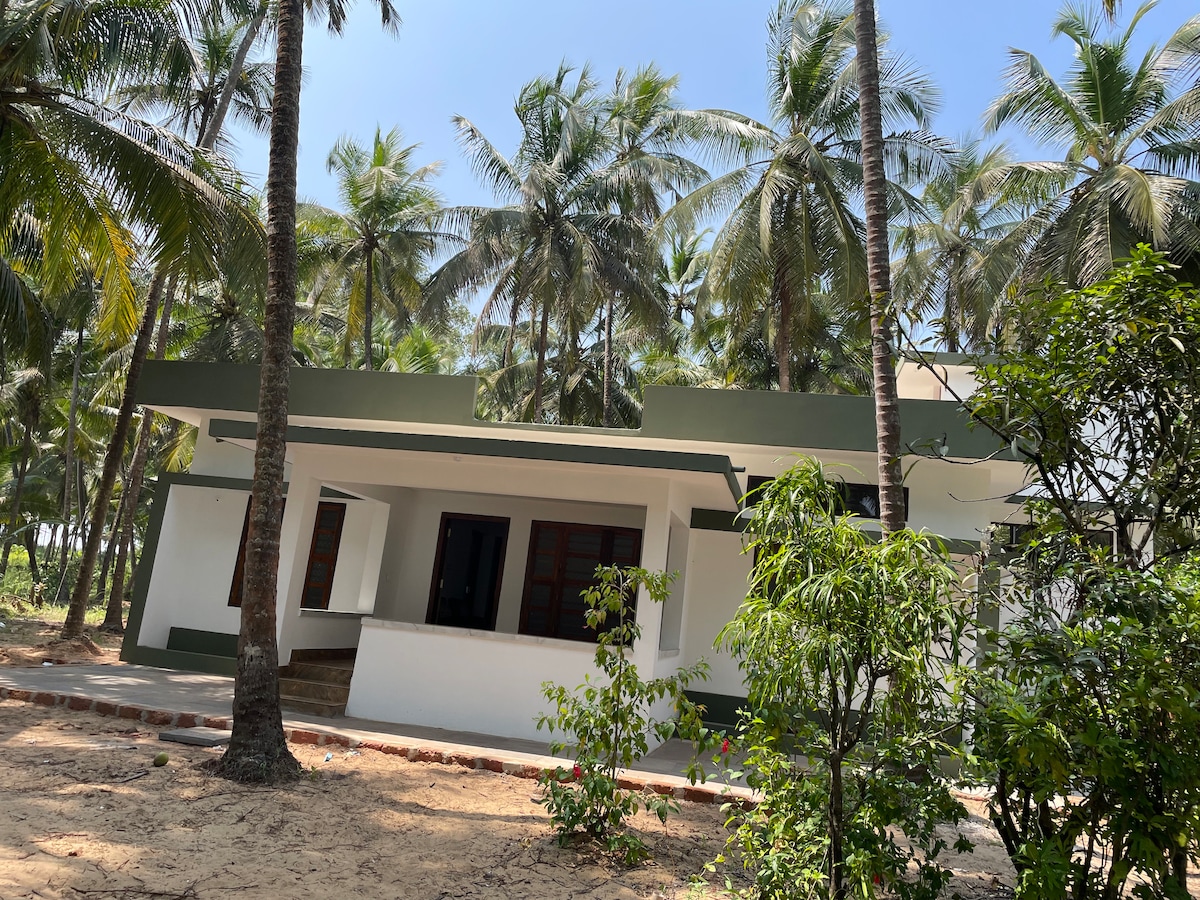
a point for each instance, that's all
(373, 556)
(295, 539)
(655, 544)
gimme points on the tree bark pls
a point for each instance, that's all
(369, 312)
(539, 373)
(73, 626)
(212, 130)
(133, 484)
(69, 469)
(887, 404)
(257, 749)
(783, 336)
(29, 536)
(606, 419)
(110, 548)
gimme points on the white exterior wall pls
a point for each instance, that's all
(195, 558)
(193, 564)
(461, 679)
(718, 574)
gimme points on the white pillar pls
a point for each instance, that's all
(373, 556)
(655, 543)
(295, 539)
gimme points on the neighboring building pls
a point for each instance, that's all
(450, 552)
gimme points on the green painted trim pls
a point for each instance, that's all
(327, 393)
(717, 520)
(145, 567)
(220, 482)
(792, 421)
(633, 457)
(208, 643)
(802, 421)
(181, 660)
(720, 710)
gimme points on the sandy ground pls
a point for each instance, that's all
(30, 642)
(85, 814)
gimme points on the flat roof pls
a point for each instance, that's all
(793, 421)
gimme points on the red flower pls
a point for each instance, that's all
(875, 879)
(577, 772)
(725, 745)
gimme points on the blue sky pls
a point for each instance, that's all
(470, 57)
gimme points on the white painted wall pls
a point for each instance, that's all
(671, 636)
(717, 584)
(456, 678)
(193, 565)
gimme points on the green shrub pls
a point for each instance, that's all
(1088, 726)
(847, 645)
(608, 722)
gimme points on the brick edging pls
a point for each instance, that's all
(631, 782)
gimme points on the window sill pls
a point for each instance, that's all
(331, 614)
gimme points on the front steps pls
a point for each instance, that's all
(319, 687)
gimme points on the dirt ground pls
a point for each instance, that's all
(86, 814)
(30, 642)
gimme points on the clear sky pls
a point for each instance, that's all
(470, 58)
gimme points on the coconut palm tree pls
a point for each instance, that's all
(883, 364)
(1129, 143)
(257, 748)
(954, 265)
(378, 246)
(77, 169)
(791, 230)
(559, 246)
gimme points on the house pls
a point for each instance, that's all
(448, 553)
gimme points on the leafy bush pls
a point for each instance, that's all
(608, 723)
(847, 645)
(1089, 727)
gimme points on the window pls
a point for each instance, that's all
(322, 557)
(562, 564)
(239, 567)
(859, 499)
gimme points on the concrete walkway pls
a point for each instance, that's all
(167, 697)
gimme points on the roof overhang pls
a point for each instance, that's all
(496, 448)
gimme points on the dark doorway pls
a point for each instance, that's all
(466, 572)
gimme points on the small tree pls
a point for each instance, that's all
(610, 721)
(1088, 726)
(1086, 722)
(847, 645)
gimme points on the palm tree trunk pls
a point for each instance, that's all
(887, 404)
(133, 482)
(14, 519)
(110, 548)
(369, 312)
(783, 335)
(116, 593)
(539, 373)
(69, 468)
(73, 626)
(30, 539)
(257, 748)
(212, 128)
(608, 363)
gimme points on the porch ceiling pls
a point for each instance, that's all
(631, 457)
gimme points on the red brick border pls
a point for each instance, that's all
(628, 781)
